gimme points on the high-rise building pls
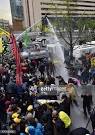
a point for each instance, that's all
(85, 8)
(17, 14)
(35, 9)
(32, 12)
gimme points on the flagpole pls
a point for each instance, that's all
(18, 37)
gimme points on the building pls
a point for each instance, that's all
(32, 12)
(4, 24)
(85, 8)
(17, 14)
(35, 9)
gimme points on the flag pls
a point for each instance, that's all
(1, 45)
(18, 68)
(16, 54)
(4, 32)
(13, 45)
(26, 39)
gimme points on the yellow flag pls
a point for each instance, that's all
(93, 61)
(3, 32)
(1, 45)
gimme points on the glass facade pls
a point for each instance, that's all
(16, 9)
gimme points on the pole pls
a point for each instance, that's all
(28, 29)
(33, 11)
(28, 13)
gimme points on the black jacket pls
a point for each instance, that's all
(79, 131)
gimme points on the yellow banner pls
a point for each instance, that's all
(1, 45)
(4, 32)
(93, 61)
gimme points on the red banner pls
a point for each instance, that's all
(16, 54)
(13, 45)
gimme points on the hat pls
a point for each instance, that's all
(15, 115)
(17, 120)
(30, 108)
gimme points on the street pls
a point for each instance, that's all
(77, 116)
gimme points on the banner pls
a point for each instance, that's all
(26, 39)
(18, 68)
(3, 32)
(93, 61)
(1, 45)
(16, 54)
(13, 45)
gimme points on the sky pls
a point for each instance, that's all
(5, 12)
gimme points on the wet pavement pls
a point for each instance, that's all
(77, 115)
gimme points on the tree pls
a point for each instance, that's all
(91, 27)
(67, 24)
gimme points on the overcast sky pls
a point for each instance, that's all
(5, 12)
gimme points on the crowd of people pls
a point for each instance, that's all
(85, 68)
(20, 113)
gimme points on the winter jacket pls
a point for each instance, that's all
(38, 130)
(79, 131)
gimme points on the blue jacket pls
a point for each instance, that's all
(38, 130)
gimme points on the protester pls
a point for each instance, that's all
(92, 118)
(87, 99)
(72, 93)
(20, 110)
